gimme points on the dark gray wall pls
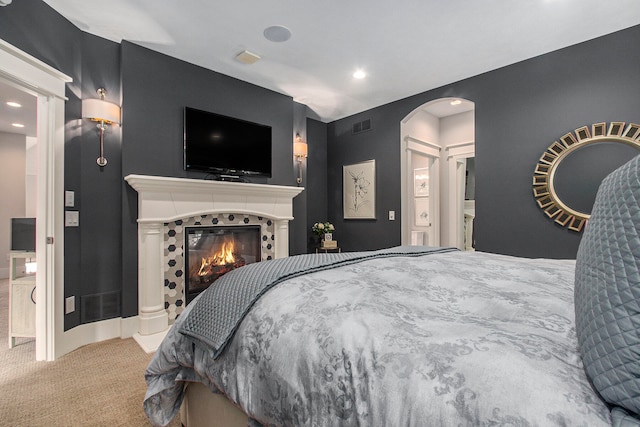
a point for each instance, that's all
(382, 143)
(316, 179)
(97, 192)
(153, 90)
(156, 88)
(92, 251)
(297, 244)
(520, 110)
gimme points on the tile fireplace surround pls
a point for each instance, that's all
(162, 200)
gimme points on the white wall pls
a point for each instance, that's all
(31, 184)
(457, 128)
(423, 126)
(12, 188)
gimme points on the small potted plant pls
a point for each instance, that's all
(325, 230)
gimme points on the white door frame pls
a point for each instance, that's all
(410, 145)
(33, 76)
(456, 156)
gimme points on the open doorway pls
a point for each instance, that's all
(18, 185)
(440, 134)
(29, 75)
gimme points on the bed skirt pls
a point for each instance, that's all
(202, 408)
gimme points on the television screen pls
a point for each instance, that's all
(23, 234)
(225, 145)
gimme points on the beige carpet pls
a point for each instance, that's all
(97, 385)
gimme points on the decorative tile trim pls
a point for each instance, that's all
(174, 251)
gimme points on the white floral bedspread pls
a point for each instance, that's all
(451, 339)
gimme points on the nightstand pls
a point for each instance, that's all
(327, 250)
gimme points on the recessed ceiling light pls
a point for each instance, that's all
(359, 74)
(13, 104)
(456, 102)
(18, 125)
(277, 33)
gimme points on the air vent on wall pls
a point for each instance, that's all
(362, 126)
(99, 306)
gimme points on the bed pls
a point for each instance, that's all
(413, 336)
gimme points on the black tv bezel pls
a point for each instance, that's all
(25, 243)
(221, 171)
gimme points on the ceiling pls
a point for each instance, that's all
(24, 115)
(404, 47)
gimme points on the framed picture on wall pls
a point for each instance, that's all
(422, 212)
(421, 182)
(359, 190)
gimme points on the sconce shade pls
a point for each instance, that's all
(98, 110)
(300, 149)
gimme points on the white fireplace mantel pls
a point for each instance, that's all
(164, 199)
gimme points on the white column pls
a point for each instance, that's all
(281, 230)
(153, 317)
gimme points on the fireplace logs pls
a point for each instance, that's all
(200, 277)
(213, 251)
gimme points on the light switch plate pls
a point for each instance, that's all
(69, 199)
(71, 218)
(392, 215)
(69, 304)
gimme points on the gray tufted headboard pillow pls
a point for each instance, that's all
(607, 290)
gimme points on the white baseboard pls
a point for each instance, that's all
(90, 333)
(150, 343)
(129, 326)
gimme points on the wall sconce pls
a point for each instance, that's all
(300, 151)
(106, 113)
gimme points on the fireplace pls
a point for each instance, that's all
(211, 252)
(168, 205)
(176, 245)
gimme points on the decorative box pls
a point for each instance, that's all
(329, 244)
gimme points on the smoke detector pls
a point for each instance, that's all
(247, 57)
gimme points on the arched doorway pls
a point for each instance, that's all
(437, 139)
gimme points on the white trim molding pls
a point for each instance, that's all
(30, 75)
(461, 150)
(164, 199)
(425, 147)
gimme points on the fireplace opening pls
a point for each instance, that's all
(212, 252)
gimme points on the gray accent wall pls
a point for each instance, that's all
(92, 255)
(153, 89)
(519, 111)
(316, 180)
(156, 88)
(297, 228)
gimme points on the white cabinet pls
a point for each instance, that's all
(22, 303)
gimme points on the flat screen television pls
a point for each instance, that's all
(23, 234)
(225, 145)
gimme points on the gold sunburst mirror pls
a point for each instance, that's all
(544, 189)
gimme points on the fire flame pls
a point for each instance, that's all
(223, 257)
